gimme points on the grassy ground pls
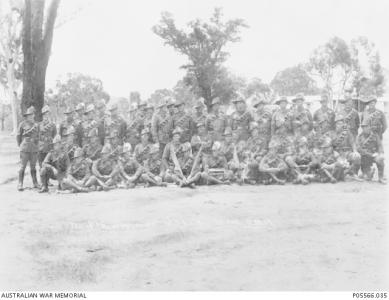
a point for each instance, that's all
(316, 237)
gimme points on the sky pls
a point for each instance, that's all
(113, 39)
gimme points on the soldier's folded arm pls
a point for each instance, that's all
(96, 172)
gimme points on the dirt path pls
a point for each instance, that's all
(317, 237)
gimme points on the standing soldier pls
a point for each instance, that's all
(69, 144)
(184, 121)
(216, 122)
(349, 115)
(101, 120)
(263, 118)
(149, 116)
(67, 122)
(92, 148)
(170, 107)
(299, 113)
(374, 117)
(89, 123)
(47, 131)
(77, 124)
(142, 150)
(161, 127)
(27, 139)
(241, 119)
(117, 125)
(281, 123)
(55, 166)
(369, 146)
(199, 116)
(344, 143)
(324, 114)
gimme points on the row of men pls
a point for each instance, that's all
(249, 135)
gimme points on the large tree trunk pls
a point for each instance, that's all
(37, 41)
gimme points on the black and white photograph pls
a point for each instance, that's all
(185, 146)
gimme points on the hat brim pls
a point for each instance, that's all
(281, 100)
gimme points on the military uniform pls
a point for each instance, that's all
(134, 128)
(370, 148)
(324, 115)
(299, 114)
(141, 152)
(184, 121)
(351, 119)
(281, 125)
(55, 166)
(199, 117)
(262, 117)
(216, 167)
(273, 166)
(117, 125)
(343, 142)
(67, 122)
(240, 122)
(161, 128)
(375, 119)
(106, 168)
(27, 140)
(47, 132)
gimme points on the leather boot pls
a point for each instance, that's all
(44, 188)
(21, 178)
(34, 180)
(381, 177)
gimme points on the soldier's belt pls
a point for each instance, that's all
(216, 171)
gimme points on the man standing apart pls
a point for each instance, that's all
(27, 139)
(47, 132)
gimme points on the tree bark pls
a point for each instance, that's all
(37, 42)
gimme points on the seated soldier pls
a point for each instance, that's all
(257, 147)
(172, 155)
(369, 146)
(106, 168)
(239, 163)
(80, 174)
(153, 167)
(92, 146)
(227, 146)
(273, 165)
(216, 167)
(305, 162)
(55, 165)
(330, 168)
(130, 170)
(344, 143)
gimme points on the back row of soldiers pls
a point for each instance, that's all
(96, 148)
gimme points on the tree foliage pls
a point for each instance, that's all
(341, 66)
(293, 80)
(75, 88)
(203, 45)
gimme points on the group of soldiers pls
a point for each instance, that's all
(96, 148)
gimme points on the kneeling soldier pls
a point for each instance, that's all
(370, 148)
(55, 165)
